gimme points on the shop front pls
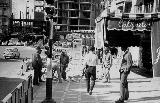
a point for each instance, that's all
(135, 33)
(139, 30)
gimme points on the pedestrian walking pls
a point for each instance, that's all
(107, 63)
(124, 72)
(90, 61)
(64, 60)
(37, 66)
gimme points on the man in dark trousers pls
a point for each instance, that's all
(64, 60)
(90, 60)
(124, 71)
(37, 66)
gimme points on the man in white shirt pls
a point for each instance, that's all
(91, 60)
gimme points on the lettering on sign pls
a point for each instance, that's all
(131, 24)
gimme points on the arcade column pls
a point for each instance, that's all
(155, 47)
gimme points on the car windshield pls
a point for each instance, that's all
(10, 50)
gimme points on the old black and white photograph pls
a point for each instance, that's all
(79, 51)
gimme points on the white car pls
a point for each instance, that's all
(11, 53)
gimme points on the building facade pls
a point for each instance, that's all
(23, 9)
(39, 10)
(14, 9)
(76, 14)
(140, 19)
(5, 14)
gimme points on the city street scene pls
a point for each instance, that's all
(79, 51)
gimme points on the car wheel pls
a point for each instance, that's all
(14, 56)
(18, 56)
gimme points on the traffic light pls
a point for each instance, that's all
(50, 2)
(46, 28)
(47, 51)
(50, 10)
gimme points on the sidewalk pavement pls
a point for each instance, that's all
(141, 91)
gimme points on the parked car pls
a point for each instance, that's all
(11, 44)
(19, 44)
(11, 53)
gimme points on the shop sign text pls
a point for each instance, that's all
(133, 25)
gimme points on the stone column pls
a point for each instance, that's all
(155, 47)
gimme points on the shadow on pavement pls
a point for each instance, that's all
(149, 91)
(138, 81)
(145, 99)
(142, 72)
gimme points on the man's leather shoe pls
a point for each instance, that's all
(90, 92)
(87, 91)
(119, 101)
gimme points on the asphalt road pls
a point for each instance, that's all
(11, 67)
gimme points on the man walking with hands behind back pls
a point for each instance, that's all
(37, 66)
(64, 60)
(91, 60)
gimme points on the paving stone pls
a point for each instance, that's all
(58, 94)
(88, 102)
(88, 99)
(70, 102)
(72, 95)
(75, 92)
(57, 99)
(71, 99)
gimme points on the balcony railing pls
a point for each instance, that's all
(127, 6)
(147, 8)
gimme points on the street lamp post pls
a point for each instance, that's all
(49, 98)
(50, 12)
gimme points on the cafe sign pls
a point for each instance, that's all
(129, 25)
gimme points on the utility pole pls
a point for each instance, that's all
(50, 12)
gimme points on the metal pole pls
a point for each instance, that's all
(49, 70)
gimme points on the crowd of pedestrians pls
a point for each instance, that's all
(91, 60)
(107, 55)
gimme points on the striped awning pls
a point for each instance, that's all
(134, 15)
(129, 21)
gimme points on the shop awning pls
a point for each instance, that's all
(105, 14)
(129, 21)
(134, 15)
